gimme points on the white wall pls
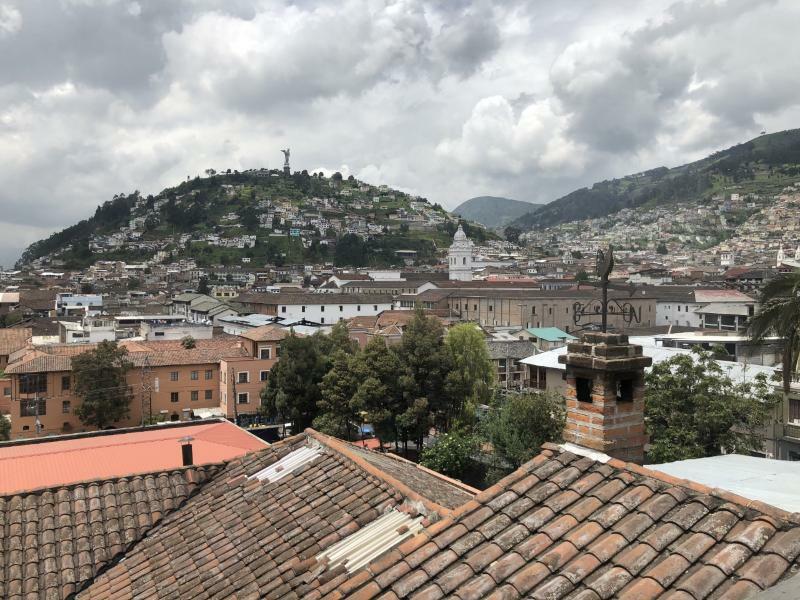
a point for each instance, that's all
(671, 312)
(332, 313)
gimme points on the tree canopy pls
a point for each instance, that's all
(693, 409)
(100, 382)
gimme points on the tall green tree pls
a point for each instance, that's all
(378, 367)
(100, 382)
(469, 380)
(519, 423)
(339, 406)
(693, 409)
(293, 388)
(426, 364)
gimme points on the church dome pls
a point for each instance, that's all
(460, 236)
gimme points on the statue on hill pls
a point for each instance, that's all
(286, 169)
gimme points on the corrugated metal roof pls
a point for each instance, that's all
(288, 464)
(358, 549)
(776, 482)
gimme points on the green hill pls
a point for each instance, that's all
(493, 211)
(764, 165)
(297, 219)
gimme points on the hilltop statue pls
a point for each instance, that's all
(286, 168)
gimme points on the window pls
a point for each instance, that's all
(341, 308)
(358, 308)
(583, 389)
(322, 319)
(243, 398)
(244, 377)
(265, 353)
(374, 307)
(321, 309)
(195, 375)
(33, 383)
(194, 395)
(283, 309)
(679, 308)
(264, 375)
(65, 382)
(173, 396)
(159, 334)
(66, 407)
(474, 307)
(794, 410)
(173, 376)
(28, 408)
(277, 351)
(6, 391)
(209, 394)
(302, 309)
(624, 390)
(490, 308)
(533, 310)
(209, 374)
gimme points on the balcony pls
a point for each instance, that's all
(791, 430)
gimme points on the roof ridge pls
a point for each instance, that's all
(747, 503)
(363, 464)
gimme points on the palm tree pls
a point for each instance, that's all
(779, 314)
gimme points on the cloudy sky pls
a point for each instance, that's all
(447, 99)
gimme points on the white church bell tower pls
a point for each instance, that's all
(459, 257)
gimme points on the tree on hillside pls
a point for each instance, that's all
(693, 409)
(351, 251)
(100, 382)
(662, 248)
(202, 286)
(519, 424)
(469, 380)
(512, 233)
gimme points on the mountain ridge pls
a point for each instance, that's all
(493, 211)
(761, 165)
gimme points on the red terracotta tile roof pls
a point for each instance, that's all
(565, 526)
(59, 358)
(266, 333)
(12, 340)
(241, 537)
(47, 463)
(54, 541)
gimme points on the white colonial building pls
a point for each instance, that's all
(460, 257)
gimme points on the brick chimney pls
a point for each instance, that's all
(605, 395)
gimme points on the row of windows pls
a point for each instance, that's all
(194, 375)
(341, 307)
(193, 395)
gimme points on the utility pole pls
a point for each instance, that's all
(147, 391)
(235, 398)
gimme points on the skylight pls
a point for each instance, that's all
(369, 542)
(288, 464)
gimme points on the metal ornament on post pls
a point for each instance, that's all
(604, 264)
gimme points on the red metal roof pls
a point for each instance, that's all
(68, 460)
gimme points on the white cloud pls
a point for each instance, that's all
(446, 100)
(10, 20)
